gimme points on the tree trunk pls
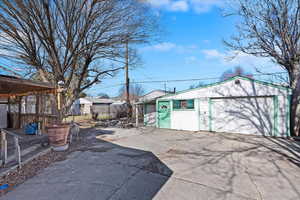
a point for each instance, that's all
(295, 114)
(295, 102)
(65, 104)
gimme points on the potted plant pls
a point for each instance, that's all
(58, 136)
(58, 132)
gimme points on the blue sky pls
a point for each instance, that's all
(192, 47)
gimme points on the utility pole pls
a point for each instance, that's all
(126, 72)
(127, 80)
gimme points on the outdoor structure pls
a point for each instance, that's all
(101, 106)
(236, 105)
(81, 106)
(12, 91)
(109, 108)
(145, 108)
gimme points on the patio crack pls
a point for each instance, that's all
(211, 187)
(255, 185)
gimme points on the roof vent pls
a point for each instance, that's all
(238, 82)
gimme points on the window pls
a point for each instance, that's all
(183, 104)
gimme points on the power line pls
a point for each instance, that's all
(188, 80)
(200, 79)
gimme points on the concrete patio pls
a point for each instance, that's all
(149, 163)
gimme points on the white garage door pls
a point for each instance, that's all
(243, 115)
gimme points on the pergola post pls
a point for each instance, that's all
(43, 110)
(136, 115)
(9, 113)
(20, 112)
(37, 107)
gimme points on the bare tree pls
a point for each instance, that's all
(271, 28)
(199, 84)
(103, 95)
(237, 71)
(135, 91)
(75, 42)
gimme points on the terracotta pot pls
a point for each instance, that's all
(58, 134)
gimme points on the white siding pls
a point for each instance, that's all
(180, 121)
(203, 114)
(185, 119)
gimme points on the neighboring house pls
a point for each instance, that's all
(236, 105)
(147, 106)
(81, 106)
(104, 107)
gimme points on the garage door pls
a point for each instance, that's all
(243, 115)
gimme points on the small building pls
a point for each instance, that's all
(109, 108)
(236, 105)
(14, 92)
(81, 106)
(85, 106)
(146, 106)
(101, 106)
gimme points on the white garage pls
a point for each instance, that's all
(237, 105)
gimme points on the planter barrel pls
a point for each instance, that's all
(58, 136)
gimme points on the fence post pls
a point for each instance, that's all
(17, 151)
(3, 147)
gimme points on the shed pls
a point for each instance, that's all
(101, 106)
(236, 105)
(148, 103)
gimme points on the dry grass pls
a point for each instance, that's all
(78, 118)
(81, 118)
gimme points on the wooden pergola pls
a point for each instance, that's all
(14, 88)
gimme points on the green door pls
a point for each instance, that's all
(164, 120)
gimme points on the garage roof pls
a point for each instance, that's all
(280, 87)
